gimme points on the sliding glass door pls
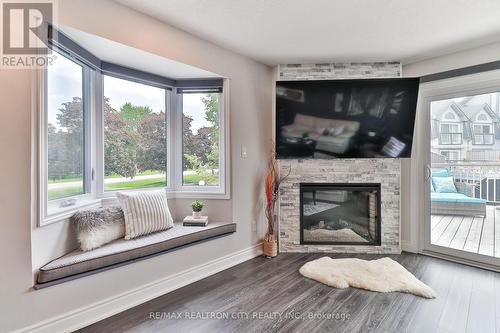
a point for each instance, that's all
(461, 124)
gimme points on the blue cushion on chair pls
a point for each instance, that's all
(456, 198)
(440, 173)
(444, 185)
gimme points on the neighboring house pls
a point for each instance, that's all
(466, 130)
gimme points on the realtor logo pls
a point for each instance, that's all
(25, 32)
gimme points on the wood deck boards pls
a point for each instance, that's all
(472, 234)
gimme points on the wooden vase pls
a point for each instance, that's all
(270, 246)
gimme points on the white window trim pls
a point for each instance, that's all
(459, 131)
(482, 135)
(474, 84)
(101, 193)
(94, 199)
(40, 114)
(178, 190)
(490, 125)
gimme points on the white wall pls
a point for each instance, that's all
(479, 55)
(114, 290)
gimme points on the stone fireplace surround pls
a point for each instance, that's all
(385, 171)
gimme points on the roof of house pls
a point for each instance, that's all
(467, 111)
(472, 110)
(455, 107)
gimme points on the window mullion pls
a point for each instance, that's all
(87, 127)
(179, 137)
(99, 134)
(171, 125)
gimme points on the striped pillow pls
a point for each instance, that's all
(145, 212)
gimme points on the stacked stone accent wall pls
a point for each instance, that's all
(385, 171)
(335, 71)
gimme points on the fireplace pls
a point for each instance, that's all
(340, 214)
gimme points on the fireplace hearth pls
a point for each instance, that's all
(340, 214)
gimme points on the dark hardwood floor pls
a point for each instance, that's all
(276, 298)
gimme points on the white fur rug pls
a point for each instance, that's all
(382, 275)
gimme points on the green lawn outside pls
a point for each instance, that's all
(75, 179)
(195, 179)
(126, 185)
(63, 193)
(155, 182)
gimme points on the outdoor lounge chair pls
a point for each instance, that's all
(460, 203)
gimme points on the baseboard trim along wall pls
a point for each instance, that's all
(408, 246)
(85, 316)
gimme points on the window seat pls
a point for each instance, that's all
(121, 252)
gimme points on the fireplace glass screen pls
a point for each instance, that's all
(346, 214)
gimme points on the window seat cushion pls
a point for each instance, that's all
(119, 252)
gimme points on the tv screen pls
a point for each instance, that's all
(367, 118)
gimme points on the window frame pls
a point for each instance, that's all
(482, 135)
(450, 133)
(101, 192)
(173, 107)
(88, 198)
(216, 192)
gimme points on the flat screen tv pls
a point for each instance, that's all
(369, 118)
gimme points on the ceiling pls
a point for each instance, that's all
(120, 54)
(301, 31)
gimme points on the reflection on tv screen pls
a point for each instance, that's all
(345, 118)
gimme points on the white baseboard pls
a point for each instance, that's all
(408, 246)
(85, 316)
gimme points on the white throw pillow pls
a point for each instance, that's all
(145, 212)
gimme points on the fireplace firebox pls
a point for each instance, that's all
(340, 214)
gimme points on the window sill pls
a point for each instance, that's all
(66, 214)
(202, 193)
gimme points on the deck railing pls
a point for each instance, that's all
(485, 175)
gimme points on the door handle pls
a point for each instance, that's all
(427, 172)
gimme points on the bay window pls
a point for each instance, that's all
(106, 128)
